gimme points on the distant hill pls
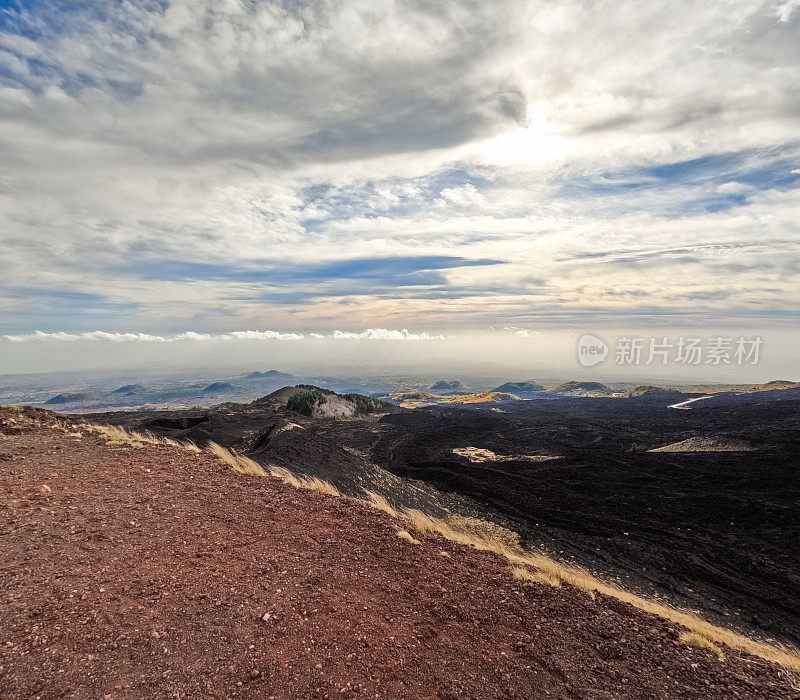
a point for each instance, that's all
(129, 389)
(281, 395)
(445, 387)
(217, 387)
(777, 384)
(774, 385)
(520, 388)
(646, 390)
(582, 389)
(269, 374)
(67, 398)
(485, 397)
(415, 399)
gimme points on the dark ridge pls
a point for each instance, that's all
(217, 387)
(128, 389)
(67, 398)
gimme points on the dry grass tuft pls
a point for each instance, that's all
(186, 445)
(319, 485)
(406, 536)
(312, 483)
(116, 436)
(698, 640)
(237, 463)
(521, 574)
(485, 536)
(119, 437)
(380, 503)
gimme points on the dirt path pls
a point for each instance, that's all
(154, 573)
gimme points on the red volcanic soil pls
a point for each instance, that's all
(155, 573)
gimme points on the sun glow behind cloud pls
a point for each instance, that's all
(536, 144)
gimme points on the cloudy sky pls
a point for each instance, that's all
(306, 167)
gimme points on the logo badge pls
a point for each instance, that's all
(591, 350)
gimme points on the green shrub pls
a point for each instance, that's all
(366, 404)
(305, 401)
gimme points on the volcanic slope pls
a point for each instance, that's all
(151, 571)
(717, 532)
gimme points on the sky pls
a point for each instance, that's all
(368, 166)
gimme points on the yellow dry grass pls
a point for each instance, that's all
(521, 574)
(380, 503)
(235, 461)
(302, 481)
(548, 570)
(407, 537)
(694, 639)
(116, 436)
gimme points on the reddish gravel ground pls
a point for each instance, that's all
(155, 573)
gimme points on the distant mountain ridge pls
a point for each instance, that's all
(582, 389)
(269, 374)
(520, 388)
(67, 398)
(647, 390)
(129, 389)
(448, 387)
(216, 387)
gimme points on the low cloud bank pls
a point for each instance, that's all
(368, 334)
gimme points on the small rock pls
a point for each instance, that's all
(266, 617)
(255, 673)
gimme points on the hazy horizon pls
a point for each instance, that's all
(509, 353)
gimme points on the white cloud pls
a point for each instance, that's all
(464, 195)
(369, 334)
(384, 334)
(90, 335)
(522, 332)
(786, 9)
(734, 188)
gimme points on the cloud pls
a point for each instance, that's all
(734, 188)
(148, 338)
(522, 332)
(89, 335)
(193, 336)
(384, 334)
(786, 9)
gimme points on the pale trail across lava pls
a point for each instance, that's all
(684, 405)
